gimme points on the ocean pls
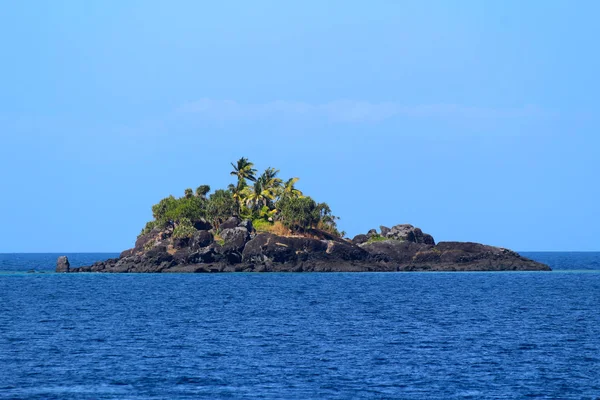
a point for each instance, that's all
(409, 335)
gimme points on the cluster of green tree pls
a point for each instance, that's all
(264, 198)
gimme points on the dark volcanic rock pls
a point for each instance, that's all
(232, 222)
(235, 241)
(180, 243)
(233, 257)
(428, 239)
(384, 230)
(268, 252)
(247, 224)
(468, 255)
(394, 251)
(158, 254)
(149, 240)
(415, 236)
(450, 256)
(127, 253)
(266, 247)
(207, 255)
(201, 239)
(154, 260)
(406, 249)
(142, 240)
(360, 239)
(235, 238)
(62, 264)
(202, 225)
(346, 251)
(400, 232)
(184, 256)
(204, 255)
(407, 232)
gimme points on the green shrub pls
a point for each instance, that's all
(274, 206)
(184, 229)
(220, 206)
(302, 213)
(219, 240)
(298, 214)
(202, 191)
(261, 225)
(170, 210)
(163, 208)
(192, 208)
(149, 226)
(377, 238)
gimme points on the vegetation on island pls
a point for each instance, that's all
(377, 238)
(271, 203)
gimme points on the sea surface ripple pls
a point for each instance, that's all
(300, 336)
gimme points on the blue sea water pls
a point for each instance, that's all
(300, 336)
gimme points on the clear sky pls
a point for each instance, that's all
(474, 120)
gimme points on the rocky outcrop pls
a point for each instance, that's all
(400, 248)
(232, 222)
(384, 230)
(202, 225)
(403, 233)
(62, 264)
(407, 232)
(235, 238)
(449, 256)
(201, 239)
(267, 248)
(360, 239)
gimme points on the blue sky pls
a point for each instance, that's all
(476, 121)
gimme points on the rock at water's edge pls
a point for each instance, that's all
(62, 264)
(400, 248)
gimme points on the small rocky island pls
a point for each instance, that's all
(264, 224)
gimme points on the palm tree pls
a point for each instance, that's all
(252, 196)
(257, 195)
(271, 185)
(202, 191)
(264, 190)
(243, 169)
(289, 189)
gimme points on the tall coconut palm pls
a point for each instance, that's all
(271, 184)
(252, 196)
(264, 190)
(255, 196)
(244, 170)
(289, 189)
